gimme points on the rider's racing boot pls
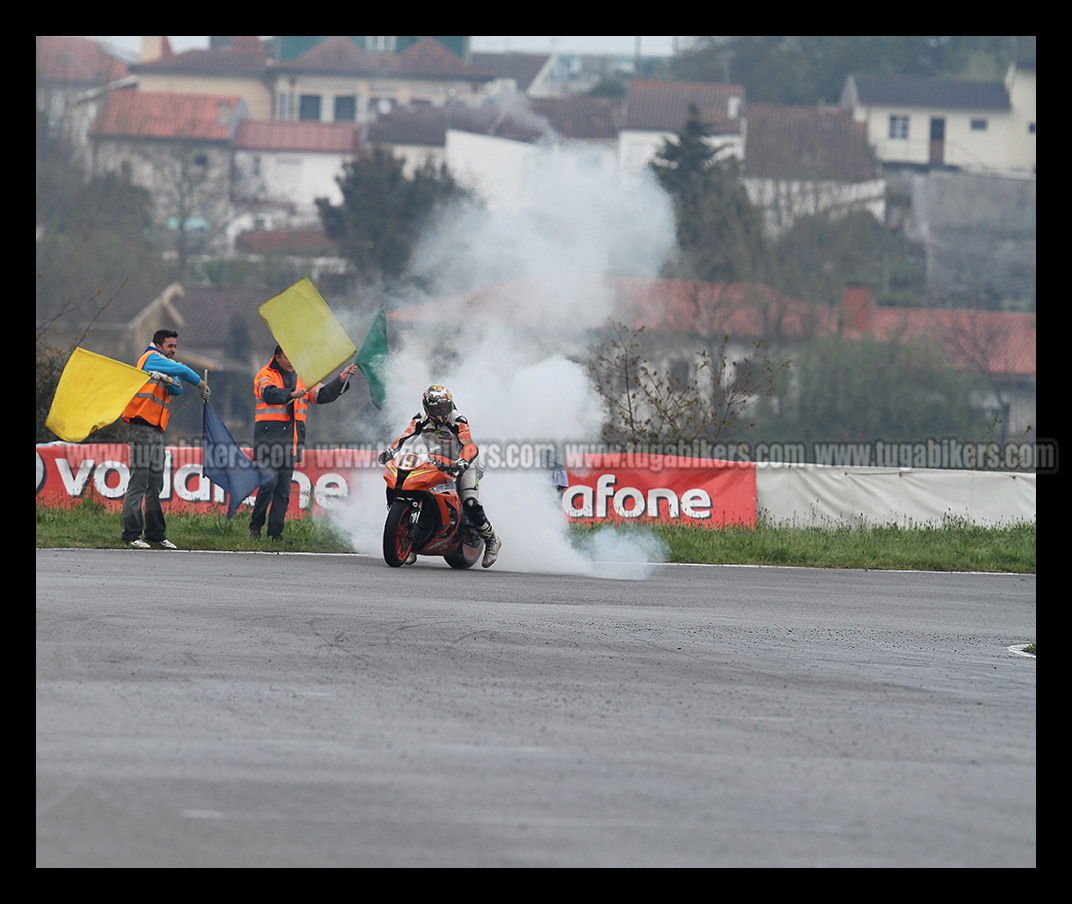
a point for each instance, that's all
(411, 558)
(492, 545)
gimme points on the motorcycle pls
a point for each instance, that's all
(425, 514)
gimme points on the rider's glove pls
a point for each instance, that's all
(386, 455)
(459, 467)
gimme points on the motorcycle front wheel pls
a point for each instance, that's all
(396, 540)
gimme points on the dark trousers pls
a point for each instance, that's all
(275, 492)
(145, 485)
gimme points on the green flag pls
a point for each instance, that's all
(372, 359)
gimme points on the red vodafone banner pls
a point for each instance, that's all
(697, 492)
(67, 473)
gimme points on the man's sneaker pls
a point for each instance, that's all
(255, 534)
(139, 544)
(165, 544)
(491, 551)
(280, 539)
(411, 558)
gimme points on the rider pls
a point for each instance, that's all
(444, 428)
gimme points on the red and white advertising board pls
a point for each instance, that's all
(695, 492)
(702, 493)
(68, 473)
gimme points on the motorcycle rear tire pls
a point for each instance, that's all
(396, 544)
(466, 555)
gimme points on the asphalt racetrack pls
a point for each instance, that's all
(262, 710)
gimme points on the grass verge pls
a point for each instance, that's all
(90, 525)
(952, 546)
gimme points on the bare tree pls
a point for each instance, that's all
(703, 397)
(982, 340)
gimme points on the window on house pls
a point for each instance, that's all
(380, 43)
(309, 108)
(345, 109)
(978, 125)
(898, 127)
(284, 106)
(750, 375)
(201, 160)
(679, 372)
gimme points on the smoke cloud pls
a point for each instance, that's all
(513, 287)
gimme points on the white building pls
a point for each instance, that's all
(975, 126)
(285, 166)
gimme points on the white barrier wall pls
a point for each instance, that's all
(821, 495)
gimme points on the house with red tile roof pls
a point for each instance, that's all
(337, 79)
(167, 116)
(656, 110)
(280, 168)
(331, 79)
(410, 101)
(517, 73)
(241, 69)
(801, 161)
(1000, 346)
(680, 317)
(593, 120)
(179, 147)
(76, 63)
(74, 75)
(817, 142)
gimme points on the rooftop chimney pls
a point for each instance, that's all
(153, 47)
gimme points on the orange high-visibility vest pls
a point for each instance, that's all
(269, 376)
(264, 412)
(152, 403)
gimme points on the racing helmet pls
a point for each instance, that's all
(438, 403)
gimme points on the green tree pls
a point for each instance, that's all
(610, 86)
(92, 247)
(383, 211)
(50, 361)
(719, 230)
(867, 389)
(52, 357)
(820, 254)
(92, 235)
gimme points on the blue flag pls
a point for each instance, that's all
(225, 464)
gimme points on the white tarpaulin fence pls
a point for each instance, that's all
(821, 495)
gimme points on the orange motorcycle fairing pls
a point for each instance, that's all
(425, 514)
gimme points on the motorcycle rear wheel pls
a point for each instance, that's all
(466, 555)
(396, 540)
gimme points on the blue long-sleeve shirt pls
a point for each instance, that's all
(171, 368)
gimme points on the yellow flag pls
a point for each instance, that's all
(92, 392)
(308, 332)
